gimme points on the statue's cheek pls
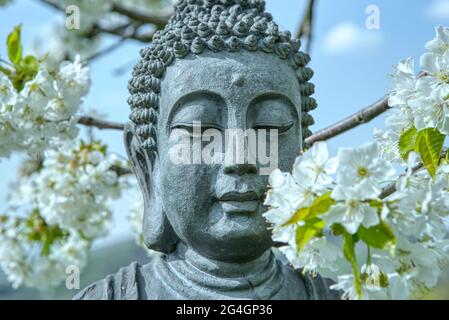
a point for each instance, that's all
(288, 143)
(189, 184)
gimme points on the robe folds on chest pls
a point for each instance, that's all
(162, 279)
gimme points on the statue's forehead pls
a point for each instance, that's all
(237, 77)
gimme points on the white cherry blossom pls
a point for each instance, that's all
(439, 45)
(315, 167)
(388, 145)
(352, 212)
(319, 254)
(361, 169)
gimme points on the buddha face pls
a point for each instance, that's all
(216, 209)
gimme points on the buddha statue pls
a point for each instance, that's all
(223, 63)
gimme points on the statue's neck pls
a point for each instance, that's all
(261, 278)
(228, 269)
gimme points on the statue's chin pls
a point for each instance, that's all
(226, 234)
(227, 254)
(234, 242)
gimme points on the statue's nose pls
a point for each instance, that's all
(240, 169)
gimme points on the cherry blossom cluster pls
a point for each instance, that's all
(41, 112)
(57, 212)
(37, 255)
(352, 219)
(72, 41)
(60, 204)
(332, 218)
(418, 102)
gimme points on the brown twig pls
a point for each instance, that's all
(135, 16)
(158, 21)
(100, 124)
(51, 4)
(390, 189)
(117, 31)
(126, 35)
(107, 50)
(306, 27)
(360, 117)
(363, 116)
(121, 171)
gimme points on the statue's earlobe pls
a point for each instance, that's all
(158, 233)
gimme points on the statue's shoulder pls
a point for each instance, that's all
(123, 285)
(314, 286)
(318, 287)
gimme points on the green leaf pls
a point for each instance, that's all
(14, 45)
(429, 144)
(377, 237)
(46, 244)
(407, 142)
(320, 206)
(26, 71)
(30, 65)
(338, 229)
(307, 232)
(349, 253)
(5, 71)
(376, 203)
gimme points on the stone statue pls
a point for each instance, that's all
(224, 63)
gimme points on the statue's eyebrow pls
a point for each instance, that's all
(193, 98)
(290, 106)
(273, 95)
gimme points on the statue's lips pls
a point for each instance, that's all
(239, 202)
(239, 196)
(236, 207)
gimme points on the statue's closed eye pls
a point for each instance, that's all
(195, 127)
(281, 127)
(272, 113)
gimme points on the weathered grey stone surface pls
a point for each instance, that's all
(226, 64)
(177, 277)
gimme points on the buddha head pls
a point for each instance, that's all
(225, 64)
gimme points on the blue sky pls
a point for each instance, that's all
(351, 63)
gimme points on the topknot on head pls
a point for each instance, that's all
(210, 4)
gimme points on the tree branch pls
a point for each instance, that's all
(51, 4)
(121, 171)
(119, 32)
(100, 124)
(390, 189)
(306, 27)
(360, 117)
(139, 18)
(363, 116)
(158, 21)
(107, 50)
(131, 35)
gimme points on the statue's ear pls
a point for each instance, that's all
(140, 162)
(158, 233)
